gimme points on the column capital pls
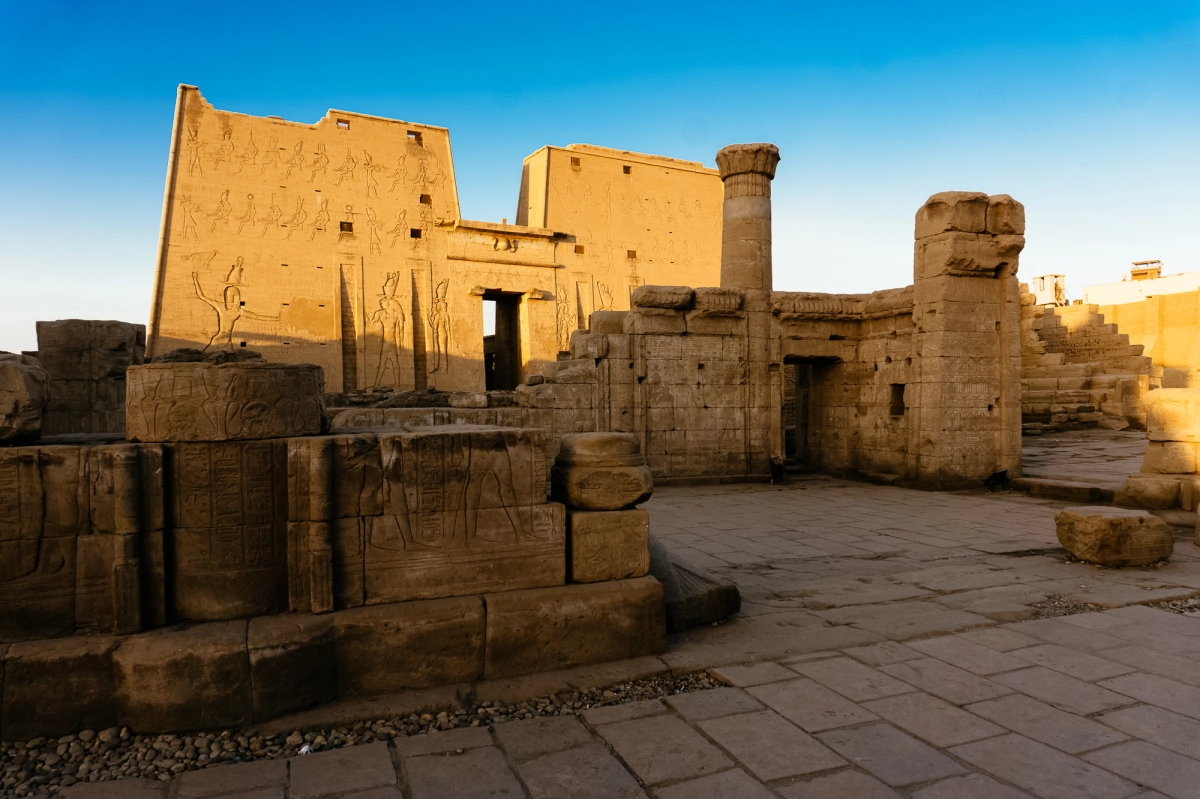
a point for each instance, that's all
(747, 169)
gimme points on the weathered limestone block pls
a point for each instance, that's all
(192, 679)
(588, 345)
(410, 645)
(555, 395)
(1173, 414)
(556, 628)
(1189, 491)
(582, 370)
(90, 349)
(227, 529)
(465, 512)
(37, 539)
(715, 301)
(24, 394)
(600, 471)
(691, 596)
(959, 211)
(607, 545)
(607, 322)
(1168, 457)
(1157, 492)
(292, 663)
(967, 254)
(1114, 536)
(58, 686)
(226, 402)
(1005, 216)
(468, 399)
(673, 297)
(655, 321)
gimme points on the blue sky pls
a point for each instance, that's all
(1088, 112)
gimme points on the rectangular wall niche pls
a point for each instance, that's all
(896, 405)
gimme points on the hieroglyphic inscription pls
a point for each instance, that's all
(464, 512)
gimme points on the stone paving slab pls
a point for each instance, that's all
(899, 696)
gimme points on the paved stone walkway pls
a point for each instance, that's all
(886, 648)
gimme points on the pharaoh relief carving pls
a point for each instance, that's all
(230, 308)
(439, 328)
(390, 319)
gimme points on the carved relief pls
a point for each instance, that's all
(296, 161)
(319, 164)
(463, 512)
(247, 216)
(221, 214)
(390, 317)
(439, 327)
(195, 149)
(400, 230)
(564, 317)
(234, 401)
(189, 216)
(346, 170)
(223, 154)
(320, 220)
(230, 310)
(248, 155)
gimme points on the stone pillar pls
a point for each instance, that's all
(966, 339)
(747, 171)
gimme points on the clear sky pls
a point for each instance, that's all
(1088, 112)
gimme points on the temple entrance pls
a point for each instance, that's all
(501, 340)
(802, 383)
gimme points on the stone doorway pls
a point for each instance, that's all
(502, 349)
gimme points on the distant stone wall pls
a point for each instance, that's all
(1167, 328)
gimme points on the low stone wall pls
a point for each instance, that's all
(235, 672)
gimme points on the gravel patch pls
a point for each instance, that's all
(1060, 605)
(1186, 607)
(41, 766)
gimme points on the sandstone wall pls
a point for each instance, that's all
(341, 244)
(1167, 328)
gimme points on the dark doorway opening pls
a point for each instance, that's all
(502, 348)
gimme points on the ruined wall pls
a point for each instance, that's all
(859, 349)
(87, 361)
(633, 219)
(341, 244)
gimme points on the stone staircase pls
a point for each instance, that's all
(1078, 372)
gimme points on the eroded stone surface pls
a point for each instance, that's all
(24, 395)
(1114, 536)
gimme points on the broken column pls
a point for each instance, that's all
(1170, 473)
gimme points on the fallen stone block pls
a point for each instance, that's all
(1114, 536)
(555, 628)
(691, 596)
(675, 297)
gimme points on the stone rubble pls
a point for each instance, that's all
(118, 753)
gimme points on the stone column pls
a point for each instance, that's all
(747, 171)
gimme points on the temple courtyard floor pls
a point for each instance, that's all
(891, 643)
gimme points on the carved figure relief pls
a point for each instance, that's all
(320, 220)
(370, 167)
(296, 161)
(237, 273)
(398, 174)
(247, 216)
(605, 297)
(319, 163)
(346, 170)
(564, 317)
(400, 230)
(230, 310)
(195, 150)
(296, 220)
(270, 156)
(439, 326)
(189, 216)
(271, 220)
(221, 214)
(373, 228)
(390, 317)
(223, 154)
(247, 156)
